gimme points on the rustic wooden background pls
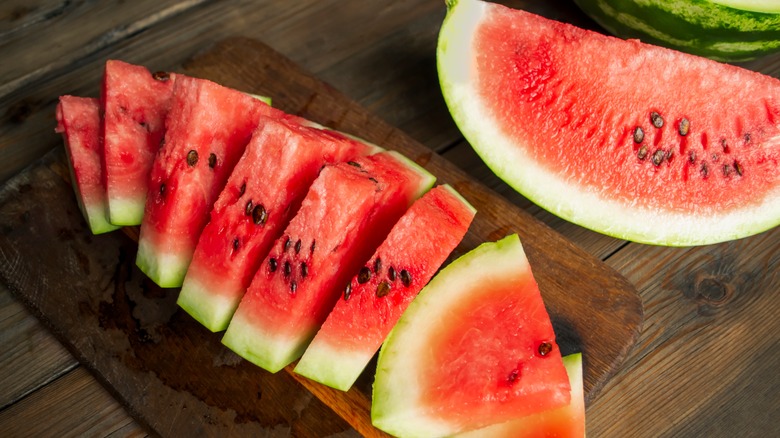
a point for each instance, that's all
(704, 365)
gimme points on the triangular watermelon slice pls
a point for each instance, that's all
(379, 293)
(475, 348)
(207, 129)
(632, 140)
(262, 194)
(78, 120)
(346, 214)
(135, 104)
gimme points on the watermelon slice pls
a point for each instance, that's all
(263, 192)
(207, 129)
(78, 120)
(475, 348)
(662, 147)
(565, 422)
(346, 214)
(135, 103)
(413, 251)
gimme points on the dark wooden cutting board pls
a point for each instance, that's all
(175, 376)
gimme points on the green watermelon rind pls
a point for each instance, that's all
(339, 368)
(165, 269)
(574, 204)
(96, 215)
(730, 31)
(396, 408)
(212, 310)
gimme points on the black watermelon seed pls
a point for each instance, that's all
(642, 152)
(313, 245)
(272, 264)
(704, 169)
(161, 76)
(162, 189)
(293, 287)
(726, 170)
(298, 246)
(259, 215)
(287, 268)
(656, 120)
(287, 243)
(545, 348)
(364, 275)
(639, 135)
(747, 137)
(406, 278)
(304, 270)
(248, 208)
(377, 265)
(192, 158)
(513, 375)
(242, 190)
(738, 168)
(391, 273)
(212, 161)
(692, 157)
(685, 127)
(382, 289)
(658, 157)
(235, 244)
(372, 179)
(355, 164)
(347, 292)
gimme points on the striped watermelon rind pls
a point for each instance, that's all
(724, 30)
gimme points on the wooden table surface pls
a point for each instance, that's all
(705, 362)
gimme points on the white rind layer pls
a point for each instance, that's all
(334, 367)
(397, 407)
(581, 205)
(126, 211)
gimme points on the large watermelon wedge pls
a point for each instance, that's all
(383, 288)
(475, 348)
(632, 140)
(207, 129)
(346, 214)
(135, 104)
(78, 120)
(263, 192)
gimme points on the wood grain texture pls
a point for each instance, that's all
(39, 415)
(154, 356)
(706, 362)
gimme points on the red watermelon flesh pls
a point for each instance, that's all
(475, 348)
(632, 140)
(207, 129)
(410, 255)
(564, 422)
(135, 102)
(345, 215)
(262, 194)
(78, 120)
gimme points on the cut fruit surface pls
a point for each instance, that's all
(346, 213)
(662, 147)
(78, 120)
(379, 293)
(135, 104)
(475, 348)
(263, 192)
(207, 129)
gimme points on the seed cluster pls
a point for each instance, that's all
(295, 263)
(658, 155)
(384, 286)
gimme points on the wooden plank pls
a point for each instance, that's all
(29, 356)
(156, 358)
(41, 414)
(706, 361)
